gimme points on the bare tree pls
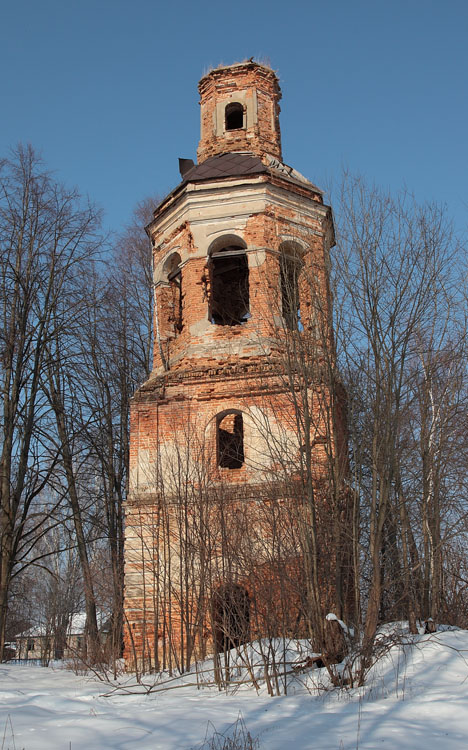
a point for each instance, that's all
(393, 281)
(116, 356)
(45, 234)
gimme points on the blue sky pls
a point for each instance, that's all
(107, 91)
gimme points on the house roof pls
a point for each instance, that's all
(76, 626)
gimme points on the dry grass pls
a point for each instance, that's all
(236, 737)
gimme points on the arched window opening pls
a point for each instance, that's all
(231, 617)
(229, 286)
(290, 270)
(234, 116)
(230, 441)
(174, 277)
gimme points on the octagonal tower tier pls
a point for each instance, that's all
(239, 108)
(219, 237)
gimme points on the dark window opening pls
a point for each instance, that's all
(230, 438)
(229, 298)
(174, 276)
(290, 269)
(234, 116)
(176, 290)
(231, 617)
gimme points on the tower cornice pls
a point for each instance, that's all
(199, 195)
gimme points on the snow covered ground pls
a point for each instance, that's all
(416, 697)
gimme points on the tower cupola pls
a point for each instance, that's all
(240, 111)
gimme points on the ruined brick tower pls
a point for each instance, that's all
(238, 422)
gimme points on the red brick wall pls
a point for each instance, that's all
(261, 137)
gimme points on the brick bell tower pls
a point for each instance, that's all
(213, 516)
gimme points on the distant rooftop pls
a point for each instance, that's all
(76, 626)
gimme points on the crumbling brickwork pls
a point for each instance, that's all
(256, 89)
(241, 426)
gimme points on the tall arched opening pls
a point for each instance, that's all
(231, 617)
(229, 282)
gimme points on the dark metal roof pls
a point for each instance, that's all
(225, 165)
(234, 164)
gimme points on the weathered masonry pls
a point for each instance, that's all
(237, 441)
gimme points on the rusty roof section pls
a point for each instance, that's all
(234, 164)
(242, 164)
(225, 165)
